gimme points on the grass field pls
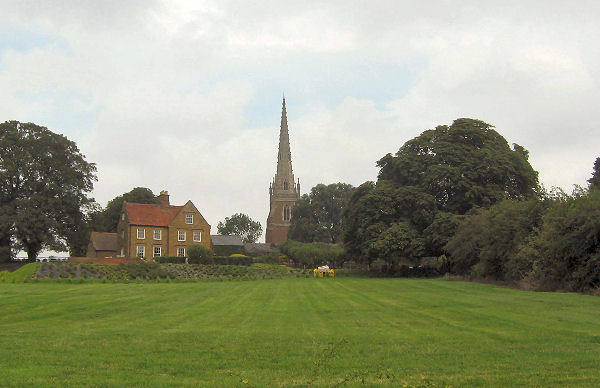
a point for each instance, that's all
(296, 332)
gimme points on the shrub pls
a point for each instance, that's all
(313, 254)
(271, 258)
(199, 254)
(232, 260)
(170, 259)
(227, 250)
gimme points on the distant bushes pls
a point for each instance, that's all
(552, 243)
(199, 254)
(313, 254)
(227, 250)
(232, 260)
(206, 260)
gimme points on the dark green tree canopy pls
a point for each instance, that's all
(107, 219)
(43, 195)
(242, 225)
(423, 191)
(594, 181)
(462, 165)
(317, 216)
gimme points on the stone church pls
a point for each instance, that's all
(283, 191)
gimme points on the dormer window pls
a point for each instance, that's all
(189, 218)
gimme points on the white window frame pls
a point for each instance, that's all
(181, 233)
(137, 251)
(155, 250)
(199, 234)
(180, 251)
(159, 234)
(143, 233)
(287, 213)
(189, 218)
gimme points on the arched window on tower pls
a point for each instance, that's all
(286, 213)
(285, 185)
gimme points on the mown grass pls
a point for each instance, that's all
(296, 332)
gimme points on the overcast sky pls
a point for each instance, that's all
(186, 95)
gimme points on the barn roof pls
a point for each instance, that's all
(102, 241)
(226, 240)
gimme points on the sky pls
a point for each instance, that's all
(185, 96)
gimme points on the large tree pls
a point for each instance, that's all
(424, 189)
(317, 216)
(241, 225)
(594, 181)
(107, 220)
(44, 190)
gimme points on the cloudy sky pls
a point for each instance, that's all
(186, 95)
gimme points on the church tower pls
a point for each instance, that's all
(283, 191)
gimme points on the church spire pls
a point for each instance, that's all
(284, 157)
(283, 191)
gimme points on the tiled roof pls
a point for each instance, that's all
(104, 241)
(226, 240)
(151, 214)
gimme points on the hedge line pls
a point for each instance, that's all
(220, 260)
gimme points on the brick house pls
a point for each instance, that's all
(151, 230)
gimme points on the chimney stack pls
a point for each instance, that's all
(163, 199)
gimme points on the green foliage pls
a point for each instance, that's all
(107, 220)
(464, 165)
(567, 248)
(199, 254)
(487, 244)
(233, 260)
(170, 259)
(317, 216)
(271, 258)
(21, 275)
(313, 254)
(227, 250)
(43, 197)
(241, 225)
(594, 181)
(424, 190)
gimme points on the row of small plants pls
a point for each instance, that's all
(167, 271)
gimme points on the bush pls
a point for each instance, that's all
(313, 254)
(227, 250)
(233, 260)
(170, 259)
(271, 258)
(567, 248)
(199, 254)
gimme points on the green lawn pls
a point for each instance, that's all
(303, 332)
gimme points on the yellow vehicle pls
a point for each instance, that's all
(323, 271)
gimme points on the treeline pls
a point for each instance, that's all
(461, 197)
(551, 243)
